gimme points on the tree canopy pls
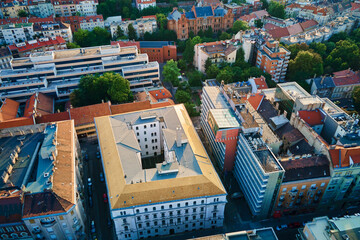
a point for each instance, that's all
(305, 65)
(171, 72)
(107, 87)
(182, 96)
(356, 98)
(239, 25)
(97, 37)
(276, 9)
(23, 13)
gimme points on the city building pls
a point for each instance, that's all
(346, 227)
(5, 57)
(159, 51)
(172, 186)
(203, 3)
(112, 20)
(199, 18)
(41, 8)
(218, 52)
(257, 15)
(57, 73)
(340, 85)
(66, 8)
(24, 49)
(9, 110)
(142, 4)
(38, 105)
(220, 126)
(15, 33)
(255, 234)
(10, 9)
(244, 8)
(154, 95)
(141, 26)
(319, 14)
(273, 59)
(85, 23)
(54, 29)
(49, 154)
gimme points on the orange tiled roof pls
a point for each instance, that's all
(8, 110)
(42, 105)
(344, 157)
(130, 107)
(161, 93)
(55, 117)
(16, 122)
(311, 117)
(86, 114)
(255, 100)
(261, 83)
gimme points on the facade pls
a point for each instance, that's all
(15, 33)
(5, 57)
(321, 15)
(50, 147)
(54, 29)
(57, 73)
(183, 191)
(346, 227)
(66, 8)
(142, 4)
(159, 51)
(10, 9)
(199, 18)
(255, 234)
(340, 85)
(41, 8)
(141, 26)
(218, 52)
(273, 59)
(79, 22)
(24, 49)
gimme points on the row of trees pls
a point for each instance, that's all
(85, 38)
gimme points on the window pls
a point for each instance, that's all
(156, 230)
(178, 212)
(194, 203)
(202, 209)
(155, 215)
(146, 208)
(137, 134)
(148, 224)
(145, 139)
(186, 210)
(162, 214)
(202, 216)
(178, 205)
(194, 217)
(194, 210)
(137, 210)
(170, 206)
(186, 218)
(322, 184)
(163, 222)
(214, 215)
(155, 223)
(162, 207)
(144, 126)
(140, 225)
(141, 233)
(154, 208)
(202, 201)
(146, 216)
(144, 132)
(137, 128)
(186, 226)
(186, 204)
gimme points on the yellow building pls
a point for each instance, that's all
(11, 9)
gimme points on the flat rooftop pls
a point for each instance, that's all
(256, 234)
(129, 184)
(293, 90)
(216, 96)
(224, 118)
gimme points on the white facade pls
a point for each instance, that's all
(141, 26)
(149, 137)
(16, 33)
(87, 8)
(142, 4)
(57, 30)
(42, 10)
(91, 24)
(169, 217)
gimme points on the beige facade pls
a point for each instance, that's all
(141, 26)
(11, 10)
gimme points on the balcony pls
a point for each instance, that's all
(48, 222)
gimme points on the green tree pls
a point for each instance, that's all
(356, 98)
(209, 33)
(23, 13)
(161, 20)
(239, 26)
(295, 48)
(319, 48)
(276, 9)
(240, 55)
(208, 63)
(265, 4)
(190, 108)
(81, 37)
(171, 72)
(224, 36)
(225, 75)
(70, 45)
(126, 12)
(131, 32)
(182, 96)
(196, 78)
(188, 54)
(108, 87)
(119, 32)
(345, 55)
(99, 36)
(212, 71)
(259, 23)
(182, 65)
(305, 65)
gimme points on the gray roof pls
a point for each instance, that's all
(328, 82)
(175, 15)
(219, 12)
(190, 15)
(155, 44)
(204, 11)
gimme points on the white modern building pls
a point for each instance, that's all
(141, 26)
(41, 8)
(87, 8)
(57, 73)
(142, 4)
(90, 22)
(54, 29)
(15, 33)
(159, 177)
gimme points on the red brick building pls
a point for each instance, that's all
(200, 18)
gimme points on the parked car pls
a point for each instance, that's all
(86, 157)
(281, 227)
(98, 155)
(294, 225)
(101, 177)
(90, 202)
(237, 195)
(105, 198)
(92, 227)
(89, 182)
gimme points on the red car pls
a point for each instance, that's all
(105, 198)
(295, 225)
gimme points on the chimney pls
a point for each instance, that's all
(178, 136)
(322, 80)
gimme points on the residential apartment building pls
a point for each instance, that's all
(199, 18)
(257, 15)
(57, 73)
(16, 32)
(220, 126)
(218, 52)
(54, 29)
(5, 57)
(41, 8)
(159, 51)
(181, 192)
(305, 181)
(244, 8)
(66, 8)
(141, 26)
(11, 8)
(49, 153)
(273, 59)
(319, 14)
(346, 227)
(340, 85)
(79, 22)
(24, 49)
(142, 4)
